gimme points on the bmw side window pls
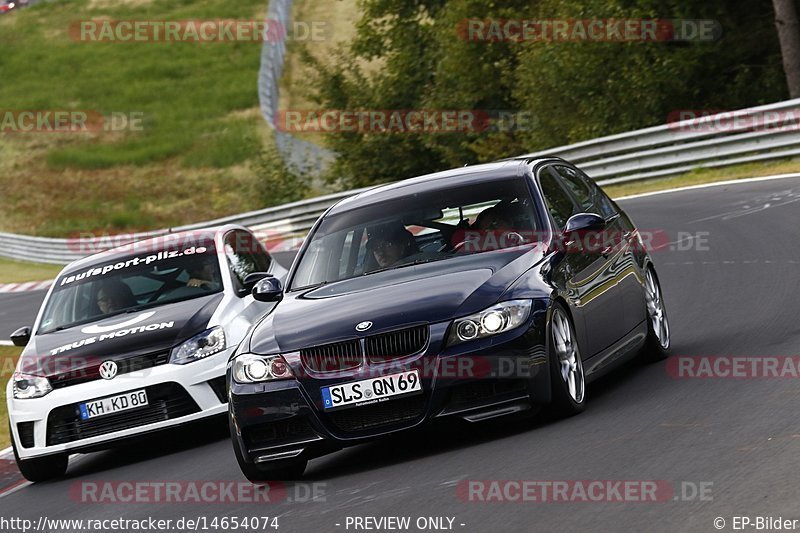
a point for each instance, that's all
(583, 187)
(361, 258)
(580, 189)
(344, 260)
(607, 207)
(559, 203)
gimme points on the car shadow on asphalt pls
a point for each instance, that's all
(161, 444)
(449, 435)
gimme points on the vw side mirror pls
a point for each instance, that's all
(251, 279)
(269, 289)
(21, 337)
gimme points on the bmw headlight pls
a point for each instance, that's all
(208, 343)
(27, 386)
(251, 368)
(496, 319)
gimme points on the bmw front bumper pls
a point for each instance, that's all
(474, 381)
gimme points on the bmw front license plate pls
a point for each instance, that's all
(113, 404)
(370, 391)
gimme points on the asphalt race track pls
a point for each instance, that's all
(731, 290)
(18, 309)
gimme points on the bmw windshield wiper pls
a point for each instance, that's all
(307, 287)
(404, 265)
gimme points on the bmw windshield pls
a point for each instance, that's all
(418, 228)
(126, 284)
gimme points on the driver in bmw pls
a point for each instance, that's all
(390, 244)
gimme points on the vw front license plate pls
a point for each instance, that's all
(113, 404)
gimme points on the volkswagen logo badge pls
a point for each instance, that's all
(108, 370)
(364, 326)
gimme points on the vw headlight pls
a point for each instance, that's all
(209, 342)
(27, 386)
(496, 319)
(251, 368)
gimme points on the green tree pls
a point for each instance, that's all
(410, 55)
(277, 184)
(582, 90)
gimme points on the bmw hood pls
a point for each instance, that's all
(426, 293)
(118, 337)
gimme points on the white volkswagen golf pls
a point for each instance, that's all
(131, 341)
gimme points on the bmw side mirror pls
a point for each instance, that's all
(584, 222)
(251, 279)
(268, 289)
(21, 337)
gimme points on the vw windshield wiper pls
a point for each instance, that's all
(126, 311)
(145, 306)
(88, 320)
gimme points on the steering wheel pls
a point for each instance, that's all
(510, 239)
(459, 247)
(170, 282)
(514, 237)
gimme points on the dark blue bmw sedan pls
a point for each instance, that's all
(475, 293)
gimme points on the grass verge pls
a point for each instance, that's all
(20, 272)
(8, 361)
(186, 160)
(705, 175)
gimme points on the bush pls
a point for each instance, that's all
(277, 184)
(409, 55)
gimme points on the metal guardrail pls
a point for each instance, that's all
(271, 225)
(755, 134)
(301, 157)
(637, 155)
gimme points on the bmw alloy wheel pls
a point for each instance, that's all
(656, 311)
(569, 358)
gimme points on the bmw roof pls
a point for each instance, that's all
(431, 182)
